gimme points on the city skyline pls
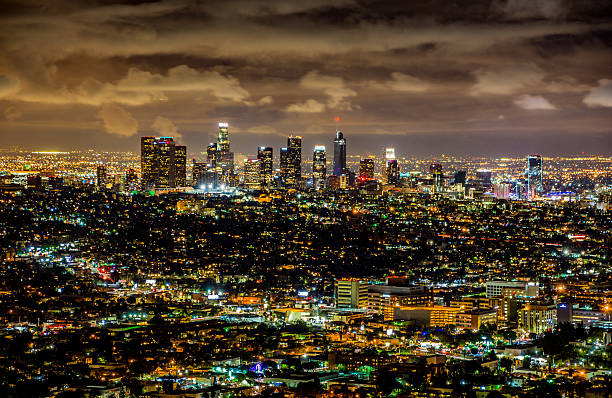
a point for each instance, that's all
(492, 78)
(321, 199)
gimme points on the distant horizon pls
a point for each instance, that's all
(487, 145)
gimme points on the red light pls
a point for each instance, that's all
(337, 119)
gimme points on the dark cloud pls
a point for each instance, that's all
(391, 69)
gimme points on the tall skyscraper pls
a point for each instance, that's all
(197, 168)
(459, 177)
(390, 167)
(101, 177)
(392, 172)
(319, 167)
(502, 190)
(266, 165)
(148, 168)
(224, 157)
(339, 154)
(294, 161)
(535, 183)
(223, 137)
(484, 176)
(366, 170)
(252, 179)
(180, 166)
(435, 169)
(284, 165)
(212, 154)
(131, 180)
(163, 163)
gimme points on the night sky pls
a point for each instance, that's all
(499, 77)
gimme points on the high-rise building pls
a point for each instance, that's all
(148, 167)
(223, 137)
(435, 169)
(180, 166)
(538, 318)
(534, 176)
(459, 177)
(224, 157)
(197, 169)
(351, 293)
(483, 176)
(284, 165)
(212, 154)
(252, 179)
(392, 174)
(294, 161)
(390, 167)
(101, 177)
(131, 180)
(163, 163)
(339, 154)
(266, 165)
(319, 167)
(502, 190)
(366, 170)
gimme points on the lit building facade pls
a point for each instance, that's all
(163, 163)
(533, 172)
(265, 157)
(339, 154)
(101, 177)
(536, 318)
(252, 178)
(284, 165)
(131, 180)
(294, 161)
(366, 169)
(224, 157)
(435, 170)
(392, 174)
(388, 157)
(351, 293)
(319, 167)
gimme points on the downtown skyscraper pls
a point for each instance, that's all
(265, 159)
(339, 154)
(319, 167)
(220, 159)
(294, 161)
(163, 163)
(366, 170)
(291, 163)
(533, 172)
(390, 168)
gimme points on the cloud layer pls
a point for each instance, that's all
(166, 128)
(390, 66)
(533, 102)
(117, 120)
(600, 95)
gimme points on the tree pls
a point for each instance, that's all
(505, 364)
